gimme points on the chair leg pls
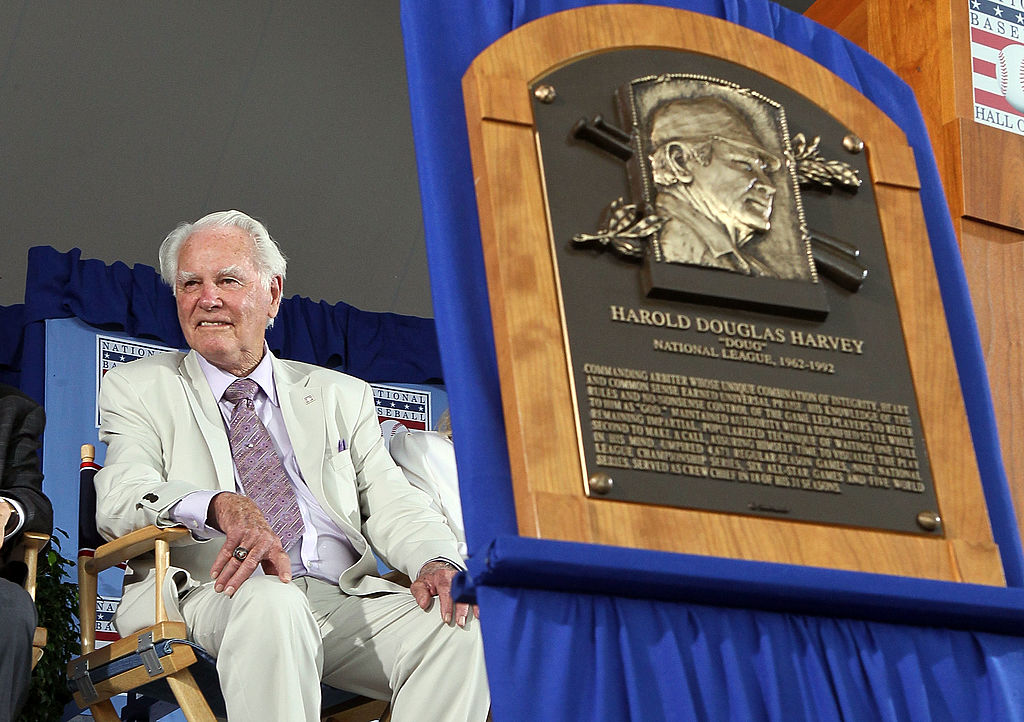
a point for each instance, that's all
(192, 702)
(104, 712)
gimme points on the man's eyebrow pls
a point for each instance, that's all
(226, 272)
(741, 152)
(748, 156)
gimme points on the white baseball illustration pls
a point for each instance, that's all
(1011, 75)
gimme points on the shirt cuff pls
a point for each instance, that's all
(19, 516)
(457, 565)
(191, 512)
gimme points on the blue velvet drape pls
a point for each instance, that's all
(582, 632)
(566, 656)
(372, 346)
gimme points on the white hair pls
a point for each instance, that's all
(267, 256)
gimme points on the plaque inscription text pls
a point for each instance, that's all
(749, 433)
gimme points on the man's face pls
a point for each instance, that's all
(736, 184)
(223, 308)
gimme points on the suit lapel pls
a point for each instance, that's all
(207, 415)
(302, 407)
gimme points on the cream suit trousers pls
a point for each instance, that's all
(274, 642)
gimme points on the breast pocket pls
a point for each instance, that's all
(340, 486)
(341, 464)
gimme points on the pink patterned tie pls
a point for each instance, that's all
(259, 467)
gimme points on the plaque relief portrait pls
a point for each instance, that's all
(717, 171)
(715, 185)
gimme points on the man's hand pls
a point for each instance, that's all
(244, 526)
(435, 579)
(5, 515)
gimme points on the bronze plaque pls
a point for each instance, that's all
(732, 329)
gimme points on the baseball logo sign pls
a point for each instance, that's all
(1011, 75)
(997, 60)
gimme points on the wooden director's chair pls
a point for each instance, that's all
(157, 661)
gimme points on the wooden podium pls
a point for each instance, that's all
(929, 45)
(542, 405)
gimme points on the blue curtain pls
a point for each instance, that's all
(581, 632)
(577, 657)
(12, 321)
(372, 346)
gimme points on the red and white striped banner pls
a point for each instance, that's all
(997, 58)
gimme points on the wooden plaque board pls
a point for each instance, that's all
(540, 405)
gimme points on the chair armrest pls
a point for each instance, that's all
(34, 540)
(28, 547)
(149, 538)
(132, 545)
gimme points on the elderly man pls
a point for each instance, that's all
(23, 507)
(279, 470)
(714, 185)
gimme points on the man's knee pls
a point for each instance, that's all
(469, 644)
(450, 640)
(19, 616)
(268, 609)
(21, 606)
(266, 599)
(448, 669)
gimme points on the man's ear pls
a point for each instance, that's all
(677, 159)
(276, 291)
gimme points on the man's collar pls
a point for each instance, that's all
(712, 233)
(263, 375)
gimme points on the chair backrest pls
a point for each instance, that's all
(88, 535)
(89, 539)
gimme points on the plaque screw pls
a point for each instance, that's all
(545, 93)
(929, 520)
(853, 144)
(600, 483)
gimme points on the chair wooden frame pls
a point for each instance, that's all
(28, 548)
(173, 666)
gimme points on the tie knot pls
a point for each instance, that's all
(241, 389)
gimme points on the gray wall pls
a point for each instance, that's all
(120, 119)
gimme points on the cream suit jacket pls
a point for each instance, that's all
(166, 437)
